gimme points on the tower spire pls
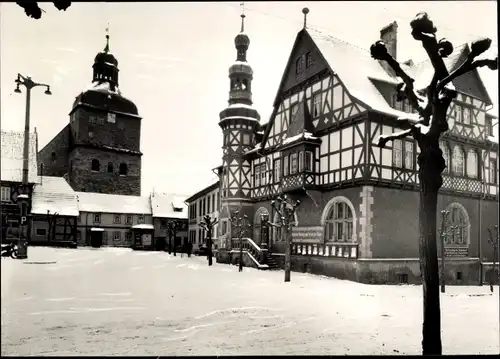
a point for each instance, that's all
(305, 11)
(106, 49)
(242, 4)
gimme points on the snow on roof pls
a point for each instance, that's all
(103, 86)
(11, 157)
(304, 135)
(54, 195)
(143, 226)
(239, 117)
(168, 205)
(241, 105)
(113, 203)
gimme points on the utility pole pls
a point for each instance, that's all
(241, 224)
(426, 127)
(207, 225)
(285, 208)
(24, 195)
(493, 240)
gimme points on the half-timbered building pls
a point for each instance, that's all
(358, 217)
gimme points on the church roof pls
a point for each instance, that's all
(55, 195)
(11, 157)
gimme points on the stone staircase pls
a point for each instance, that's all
(271, 262)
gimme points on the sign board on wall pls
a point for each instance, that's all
(307, 234)
(456, 252)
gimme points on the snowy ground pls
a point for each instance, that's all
(120, 302)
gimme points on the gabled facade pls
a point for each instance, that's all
(359, 203)
(167, 207)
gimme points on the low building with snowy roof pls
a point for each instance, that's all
(169, 211)
(319, 146)
(55, 212)
(11, 177)
(114, 220)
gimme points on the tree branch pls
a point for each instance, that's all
(383, 139)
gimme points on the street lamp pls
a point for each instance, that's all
(23, 198)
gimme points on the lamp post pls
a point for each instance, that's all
(241, 225)
(494, 241)
(23, 198)
(207, 225)
(285, 207)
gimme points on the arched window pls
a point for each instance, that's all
(339, 219)
(110, 167)
(446, 155)
(472, 163)
(123, 169)
(95, 165)
(53, 156)
(458, 161)
(257, 228)
(459, 219)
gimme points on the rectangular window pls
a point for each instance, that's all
(117, 219)
(489, 126)
(466, 115)
(140, 219)
(92, 119)
(256, 175)
(128, 237)
(116, 235)
(285, 166)
(263, 174)
(299, 65)
(308, 60)
(293, 163)
(458, 113)
(301, 161)
(208, 204)
(97, 218)
(493, 171)
(5, 194)
(309, 161)
(128, 220)
(316, 110)
(408, 155)
(293, 111)
(204, 206)
(41, 232)
(277, 170)
(213, 203)
(246, 139)
(226, 139)
(397, 153)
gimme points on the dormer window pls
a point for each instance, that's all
(308, 60)
(299, 65)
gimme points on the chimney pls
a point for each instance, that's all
(389, 35)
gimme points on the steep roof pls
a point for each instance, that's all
(11, 157)
(55, 195)
(169, 205)
(113, 203)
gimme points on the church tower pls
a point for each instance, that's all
(239, 123)
(105, 134)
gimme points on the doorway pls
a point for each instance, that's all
(96, 239)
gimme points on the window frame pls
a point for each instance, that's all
(299, 65)
(309, 155)
(301, 161)
(245, 139)
(5, 194)
(95, 164)
(346, 222)
(96, 218)
(293, 163)
(277, 169)
(455, 162)
(117, 218)
(314, 103)
(256, 176)
(117, 236)
(286, 166)
(309, 60)
(293, 110)
(140, 219)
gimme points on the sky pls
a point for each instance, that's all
(174, 59)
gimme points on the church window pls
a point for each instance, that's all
(316, 105)
(299, 65)
(472, 164)
(446, 155)
(492, 170)
(246, 139)
(110, 167)
(309, 161)
(53, 156)
(339, 223)
(293, 163)
(123, 169)
(308, 60)
(458, 161)
(95, 165)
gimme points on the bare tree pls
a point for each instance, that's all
(426, 128)
(241, 225)
(207, 225)
(285, 208)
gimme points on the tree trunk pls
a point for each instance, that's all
(287, 254)
(209, 245)
(240, 269)
(175, 244)
(431, 164)
(169, 243)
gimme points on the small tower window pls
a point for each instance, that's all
(246, 139)
(95, 165)
(245, 84)
(123, 169)
(53, 156)
(110, 167)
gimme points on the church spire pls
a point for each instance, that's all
(106, 48)
(105, 65)
(241, 41)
